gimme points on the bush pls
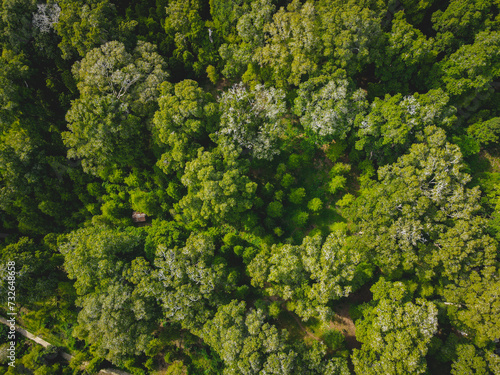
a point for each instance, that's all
(300, 218)
(336, 184)
(212, 74)
(287, 180)
(315, 205)
(274, 309)
(297, 195)
(333, 339)
(275, 209)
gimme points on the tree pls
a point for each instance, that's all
(218, 189)
(46, 16)
(251, 120)
(328, 106)
(351, 34)
(395, 332)
(185, 27)
(474, 305)
(407, 57)
(190, 281)
(99, 259)
(309, 275)
(35, 275)
(186, 115)
(246, 343)
(132, 78)
(471, 70)
(87, 24)
(225, 15)
(392, 123)
(292, 48)
(16, 23)
(420, 217)
(459, 23)
(101, 133)
(472, 361)
(118, 93)
(243, 53)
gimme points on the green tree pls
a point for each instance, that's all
(351, 34)
(185, 117)
(407, 57)
(86, 24)
(420, 217)
(395, 332)
(251, 120)
(218, 189)
(242, 53)
(472, 361)
(309, 275)
(390, 127)
(246, 343)
(99, 259)
(474, 305)
(16, 23)
(292, 48)
(184, 25)
(118, 94)
(471, 70)
(36, 275)
(459, 23)
(191, 281)
(328, 106)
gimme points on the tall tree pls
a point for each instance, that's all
(251, 120)
(118, 92)
(395, 332)
(115, 319)
(186, 115)
(310, 275)
(421, 218)
(328, 106)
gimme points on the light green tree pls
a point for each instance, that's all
(327, 106)
(292, 49)
(186, 115)
(395, 332)
(420, 217)
(474, 305)
(251, 120)
(218, 188)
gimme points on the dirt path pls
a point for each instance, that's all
(344, 324)
(68, 357)
(304, 329)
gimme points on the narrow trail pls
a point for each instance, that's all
(68, 357)
(304, 329)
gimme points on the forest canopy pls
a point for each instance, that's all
(252, 186)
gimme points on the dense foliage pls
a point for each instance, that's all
(304, 168)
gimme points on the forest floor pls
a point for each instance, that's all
(342, 321)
